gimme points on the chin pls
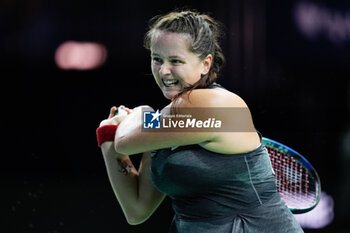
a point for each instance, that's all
(170, 95)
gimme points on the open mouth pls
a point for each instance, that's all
(170, 82)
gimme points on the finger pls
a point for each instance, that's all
(117, 110)
(128, 110)
(122, 110)
(125, 109)
(112, 111)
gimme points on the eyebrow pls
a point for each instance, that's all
(174, 56)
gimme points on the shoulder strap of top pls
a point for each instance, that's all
(215, 85)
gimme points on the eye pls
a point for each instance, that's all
(157, 60)
(176, 61)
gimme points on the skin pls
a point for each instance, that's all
(171, 60)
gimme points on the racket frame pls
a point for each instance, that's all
(281, 148)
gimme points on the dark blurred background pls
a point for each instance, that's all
(289, 60)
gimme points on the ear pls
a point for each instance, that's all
(206, 64)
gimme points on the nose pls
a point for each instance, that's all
(164, 69)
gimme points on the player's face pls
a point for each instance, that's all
(173, 65)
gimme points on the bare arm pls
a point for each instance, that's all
(131, 139)
(134, 191)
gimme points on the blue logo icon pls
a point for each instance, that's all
(151, 120)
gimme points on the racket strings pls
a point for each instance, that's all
(288, 172)
(294, 183)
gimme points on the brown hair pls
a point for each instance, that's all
(204, 32)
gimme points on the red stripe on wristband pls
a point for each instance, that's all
(105, 133)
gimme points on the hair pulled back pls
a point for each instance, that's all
(204, 33)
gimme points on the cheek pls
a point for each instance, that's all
(154, 68)
(190, 75)
(155, 72)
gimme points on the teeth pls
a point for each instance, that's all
(172, 82)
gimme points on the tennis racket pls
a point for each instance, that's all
(297, 181)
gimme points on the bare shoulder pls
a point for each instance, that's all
(239, 134)
(216, 97)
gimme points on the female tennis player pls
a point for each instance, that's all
(219, 182)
